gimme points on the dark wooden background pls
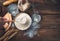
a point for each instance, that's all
(49, 25)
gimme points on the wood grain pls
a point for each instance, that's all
(49, 30)
(49, 25)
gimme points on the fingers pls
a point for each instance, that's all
(2, 19)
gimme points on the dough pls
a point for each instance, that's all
(9, 17)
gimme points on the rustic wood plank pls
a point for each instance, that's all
(49, 25)
(43, 7)
(50, 21)
(49, 30)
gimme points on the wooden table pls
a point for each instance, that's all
(49, 25)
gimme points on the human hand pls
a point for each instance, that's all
(3, 20)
